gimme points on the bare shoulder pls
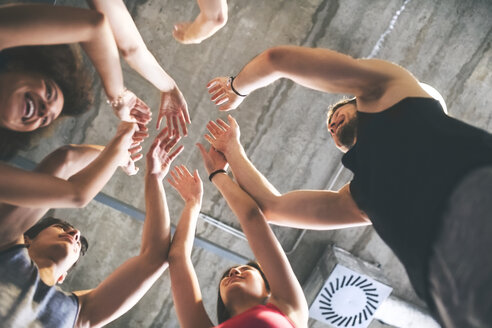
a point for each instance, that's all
(350, 205)
(396, 84)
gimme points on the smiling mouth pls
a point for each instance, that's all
(29, 108)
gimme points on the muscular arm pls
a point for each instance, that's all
(374, 82)
(306, 209)
(303, 209)
(30, 24)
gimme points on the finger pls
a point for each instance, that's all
(175, 124)
(175, 175)
(202, 150)
(139, 114)
(212, 82)
(171, 183)
(162, 134)
(142, 127)
(221, 101)
(209, 139)
(196, 176)
(212, 90)
(185, 171)
(226, 107)
(223, 124)
(186, 115)
(219, 94)
(178, 171)
(136, 157)
(183, 124)
(140, 134)
(217, 129)
(154, 148)
(135, 150)
(171, 143)
(159, 120)
(176, 153)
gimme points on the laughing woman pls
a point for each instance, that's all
(263, 295)
(41, 76)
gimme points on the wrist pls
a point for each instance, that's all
(115, 100)
(194, 203)
(215, 173)
(234, 87)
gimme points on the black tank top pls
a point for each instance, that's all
(406, 161)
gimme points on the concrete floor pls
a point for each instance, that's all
(444, 43)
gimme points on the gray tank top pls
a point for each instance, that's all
(25, 300)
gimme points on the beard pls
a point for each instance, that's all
(347, 134)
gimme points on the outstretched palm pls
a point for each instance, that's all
(159, 157)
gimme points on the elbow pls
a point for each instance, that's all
(176, 254)
(269, 207)
(79, 199)
(128, 49)
(273, 57)
(98, 21)
(254, 214)
(220, 20)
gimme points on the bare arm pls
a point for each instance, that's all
(30, 24)
(62, 163)
(184, 282)
(374, 82)
(286, 291)
(39, 190)
(305, 209)
(212, 17)
(121, 290)
(135, 52)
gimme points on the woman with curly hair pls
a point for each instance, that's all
(41, 78)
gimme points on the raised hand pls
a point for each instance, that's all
(212, 159)
(175, 109)
(222, 94)
(223, 137)
(189, 186)
(159, 157)
(128, 107)
(134, 151)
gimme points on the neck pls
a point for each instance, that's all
(49, 271)
(245, 304)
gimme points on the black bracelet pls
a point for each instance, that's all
(210, 177)
(231, 79)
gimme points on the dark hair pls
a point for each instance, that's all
(60, 63)
(333, 108)
(48, 222)
(222, 312)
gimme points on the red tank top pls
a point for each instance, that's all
(260, 316)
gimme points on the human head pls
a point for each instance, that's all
(36, 230)
(30, 74)
(222, 311)
(342, 123)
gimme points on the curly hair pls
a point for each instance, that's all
(60, 63)
(222, 312)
